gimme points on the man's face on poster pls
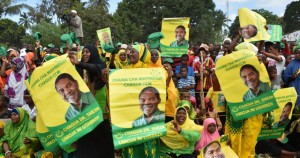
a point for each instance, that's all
(105, 37)
(179, 34)
(249, 31)
(285, 113)
(68, 90)
(214, 151)
(149, 103)
(250, 78)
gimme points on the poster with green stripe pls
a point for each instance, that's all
(65, 105)
(176, 32)
(137, 103)
(275, 32)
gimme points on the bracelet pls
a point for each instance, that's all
(7, 152)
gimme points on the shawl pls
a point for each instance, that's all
(175, 140)
(158, 62)
(15, 85)
(14, 134)
(207, 137)
(118, 62)
(191, 112)
(141, 52)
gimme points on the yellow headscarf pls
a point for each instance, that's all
(173, 139)
(118, 62)
(158, 62)
(140, 64)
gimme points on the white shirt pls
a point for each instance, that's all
(31, 112)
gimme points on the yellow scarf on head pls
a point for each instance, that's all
(158, 62)
(145, 55)
(173, 139)
(118, 62)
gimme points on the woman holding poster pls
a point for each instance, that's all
(182, 134)
(92, 70)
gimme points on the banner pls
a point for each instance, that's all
(104, 36)
(253, 25)
(292, 37)
(218, 148)
(137, 103)
(245, 85)
(274, 122)
(176, 32)
(275, 32)
(65, 105)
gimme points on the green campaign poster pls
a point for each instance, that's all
(275, 31)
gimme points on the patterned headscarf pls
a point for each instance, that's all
(19, 62)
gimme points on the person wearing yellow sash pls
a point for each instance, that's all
(182, 134)
(135, 56)
(172, 92)
(121, 60)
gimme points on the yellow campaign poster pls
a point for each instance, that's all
(245, 85)
(64, 103)
(218, 148)
(253, 25)
(104, 36)
(176, 32)
(137, 103)
(275, 121)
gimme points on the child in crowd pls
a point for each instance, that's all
(187, 82)
(4, 111)
(29, 106)
(275, 80)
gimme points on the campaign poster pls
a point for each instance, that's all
(137, 104)
(245, 85)
(274, 122)
(104, 36)
(65, 105)
(275, 32)
(176, 41)
(218, 148)
(253, 25)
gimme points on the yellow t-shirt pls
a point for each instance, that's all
(217, 98)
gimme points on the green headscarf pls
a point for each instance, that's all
(296, 47)
(14, 134)
(2, 51)
(191, 112)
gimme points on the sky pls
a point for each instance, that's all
(275, 6)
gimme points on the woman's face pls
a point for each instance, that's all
(154, 56)
(15, 118)
(134, 56)
(211, 128)
(86, 55)
(181, 116)
(123, 56)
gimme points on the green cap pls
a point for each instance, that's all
(2, 51)
(296, 48)
(154, 39)
(168, 60)
(74, 38)
(50, 45)
(65, 39)
(282, 46)
(37, 36)
(118, 44)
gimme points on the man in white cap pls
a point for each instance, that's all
(76, 25)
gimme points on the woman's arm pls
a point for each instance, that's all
(6, 150)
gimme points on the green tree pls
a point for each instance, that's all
(10, 7)
(25, 20)
(291, 17)
(50, 33)
(11, 33)
(135, 19)
(269, 16)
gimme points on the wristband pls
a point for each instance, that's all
(7, 152)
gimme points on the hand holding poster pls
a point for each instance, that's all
(274, 122)
(253, 25)
(104, 35)
(64, 102)
(245, 85)
(174, 46)
(137, 103)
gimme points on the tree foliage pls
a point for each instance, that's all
(136, 19)
(291, 17)
(11, 32)
(11, 7)
(269, 16)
